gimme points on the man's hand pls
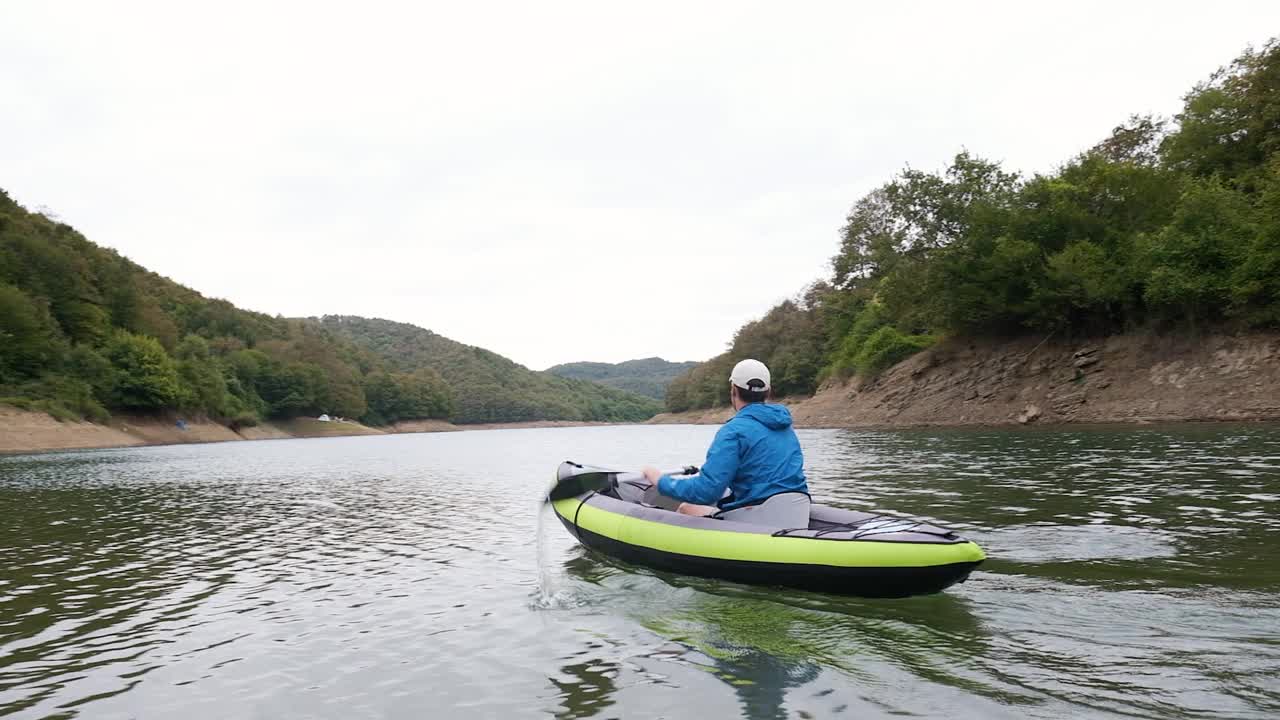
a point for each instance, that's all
(651, 475)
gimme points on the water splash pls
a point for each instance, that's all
(548, 578)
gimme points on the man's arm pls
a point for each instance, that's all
(707, 487)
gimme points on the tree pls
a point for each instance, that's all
(202, 384)
(1136, 141)
(1230, 125)
(145, 376)
(28, 341)
(1189, 264)
(1255, 280)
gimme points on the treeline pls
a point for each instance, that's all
(646, 376)
(1171, 224)
(85, 332)
(488, 387)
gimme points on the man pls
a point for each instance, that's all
(755, 456)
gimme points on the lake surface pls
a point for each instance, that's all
(1133, 573)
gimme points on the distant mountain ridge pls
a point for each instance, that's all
(488, 387)
(646, 376)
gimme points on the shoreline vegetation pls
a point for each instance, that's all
(1123, 379)
(1166, 230)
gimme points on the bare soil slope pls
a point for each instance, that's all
(23, 431)
(1123, 378)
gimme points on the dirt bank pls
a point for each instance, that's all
(423, 426)
(312, 428)
(23, 431)
(536, 424)
(1125, 378)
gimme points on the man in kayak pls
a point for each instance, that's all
(754, 471)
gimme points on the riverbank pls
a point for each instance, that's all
(1122, 379)
(22, 431)
(1135, 378)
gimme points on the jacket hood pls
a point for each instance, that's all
(774, 417)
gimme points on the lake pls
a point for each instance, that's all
(1133, 573)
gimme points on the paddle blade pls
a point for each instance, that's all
(579, 484)
(573, 480)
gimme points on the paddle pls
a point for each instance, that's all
(574, 479)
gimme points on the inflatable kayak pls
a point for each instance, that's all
(841, 551)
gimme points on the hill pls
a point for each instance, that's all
(486, 386)
(85, 332)
(647, 376)
(1168, 225)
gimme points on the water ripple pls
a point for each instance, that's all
(1132, 574)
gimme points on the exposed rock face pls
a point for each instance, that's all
(1031, 414)
(1124, 378)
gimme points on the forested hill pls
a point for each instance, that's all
(486, 386)
(84, 332)
(1169, 225)
(647, 376)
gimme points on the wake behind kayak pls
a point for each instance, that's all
(841, 551)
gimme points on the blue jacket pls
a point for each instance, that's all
(756, 455)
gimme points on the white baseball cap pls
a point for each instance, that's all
(750, 375)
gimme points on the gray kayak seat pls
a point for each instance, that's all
(784, 510)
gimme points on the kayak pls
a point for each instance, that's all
(842, 552)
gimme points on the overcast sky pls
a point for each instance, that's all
(552, 181)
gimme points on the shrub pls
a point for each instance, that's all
(845, 360)
(887, 347)
(244, 419)
(62, 397)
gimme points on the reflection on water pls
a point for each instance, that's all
(587, 688)
(762, 644)
(1131, 574)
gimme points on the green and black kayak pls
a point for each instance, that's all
(841, 551)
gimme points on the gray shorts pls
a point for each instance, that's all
(636, 491)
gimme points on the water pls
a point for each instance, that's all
(1133, 573)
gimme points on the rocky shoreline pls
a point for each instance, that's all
(1134, 378)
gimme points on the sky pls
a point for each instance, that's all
(551, 181)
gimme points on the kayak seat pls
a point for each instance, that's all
(784, 510)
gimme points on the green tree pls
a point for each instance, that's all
(1230, 125)
(89, 366)
(291, 389)
(202, 385)
(145, 376)
(1190, 263)
(28, 340)
(1255, 280)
